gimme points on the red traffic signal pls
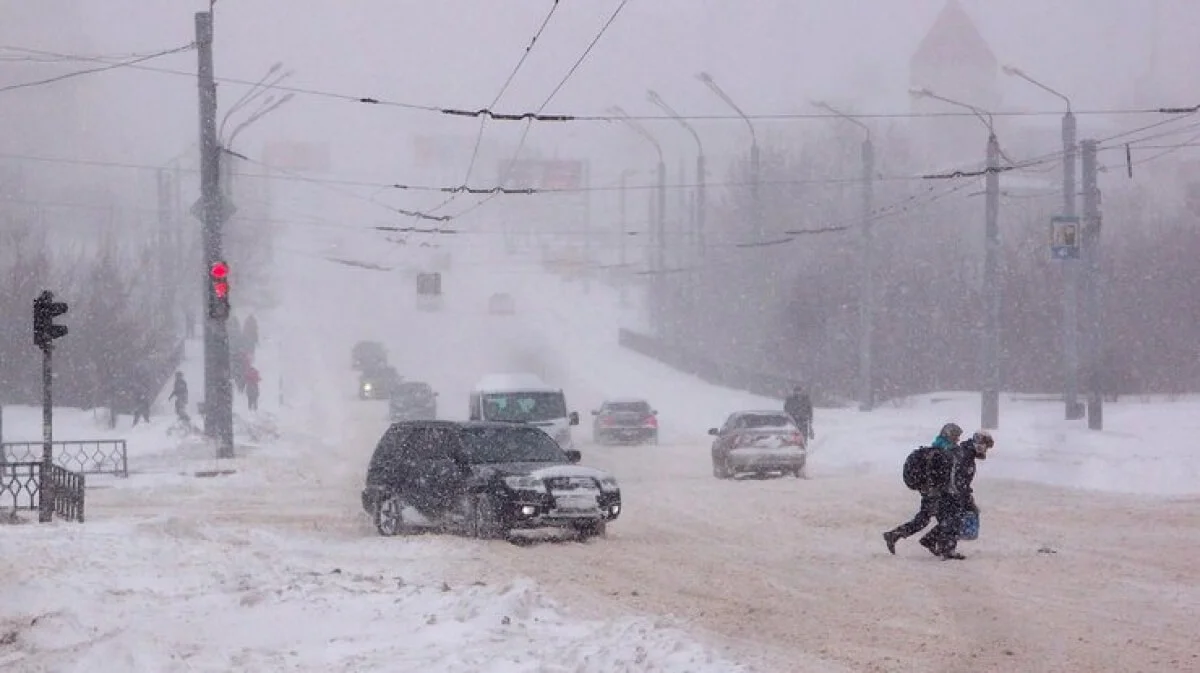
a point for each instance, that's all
(218, 302)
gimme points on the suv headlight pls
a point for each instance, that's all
(525, 483)
(367, 387)
(609, 485)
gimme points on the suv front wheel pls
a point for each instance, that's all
(389, 516)
(483, 520)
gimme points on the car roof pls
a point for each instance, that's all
(761, 412)
(513, 383)
(626, 400)
(462, 424)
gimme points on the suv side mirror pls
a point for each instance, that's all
(574, 456)
(574, 418)
(654, 412)
(595, 412)
(714, 432)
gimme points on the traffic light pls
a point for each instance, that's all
(45, 310)
(218, 296)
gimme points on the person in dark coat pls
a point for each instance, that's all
(252, 380)
(946, 440)
(958, 496)
(799, 406)
(180, 394)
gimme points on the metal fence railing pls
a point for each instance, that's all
(95, 456)
(20, 489)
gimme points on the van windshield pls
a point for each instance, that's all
(530, 407)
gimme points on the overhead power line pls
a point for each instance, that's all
(91, 71)
(545, 103)
(537, 116)
(496, 100)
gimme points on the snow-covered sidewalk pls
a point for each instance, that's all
(275, 567)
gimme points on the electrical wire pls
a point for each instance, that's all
(500, 94)
(545, 103)
(531, 116)
(90, 71)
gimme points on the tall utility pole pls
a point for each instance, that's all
(990, 373)
(990, 402)
(213, 210)
(658, 263)
(1070, 277)
(1091, 252)
(622, 243)
(755, 158)
(1070, 266)
(866, 303)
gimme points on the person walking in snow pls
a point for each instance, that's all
(799, 406)
(958, 496)
(252, 380)
(180, 394)
(930, 488)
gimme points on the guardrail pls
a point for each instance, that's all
(20, 488)
(711, 371)
(95, 456)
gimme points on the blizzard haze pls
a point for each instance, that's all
(358, 165)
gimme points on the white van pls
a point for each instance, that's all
(524, 398)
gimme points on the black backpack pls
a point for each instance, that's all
(923, 467)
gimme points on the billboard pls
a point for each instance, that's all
(543, 174)
(308, 157)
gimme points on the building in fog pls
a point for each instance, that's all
(953, 61)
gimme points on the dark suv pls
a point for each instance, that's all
(484, 479)
(413, 401)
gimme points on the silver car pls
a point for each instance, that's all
(759, 442)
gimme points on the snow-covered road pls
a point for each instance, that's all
(275, 568)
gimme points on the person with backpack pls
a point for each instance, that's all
(957, 496)
(921, 470)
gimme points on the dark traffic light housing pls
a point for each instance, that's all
(218, 294)
(45, 310)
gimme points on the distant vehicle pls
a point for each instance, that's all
(378, 384)
(484, 480)
(429, 291)
(625, 420)
(760, 442)
(502, 303)
(413, 401)
(524, 398)
(368, 355)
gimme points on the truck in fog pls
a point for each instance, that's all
(524, 398)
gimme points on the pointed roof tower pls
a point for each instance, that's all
(953, 40)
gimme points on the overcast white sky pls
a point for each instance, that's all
(772, 55)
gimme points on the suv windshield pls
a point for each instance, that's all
(627, 407)
(510, 445)
(524, 406)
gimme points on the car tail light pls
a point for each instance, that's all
(650, 422)
(796, 439)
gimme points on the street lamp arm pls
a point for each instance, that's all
(657, 100)
(620, 112)
(258, 115)
(984, 116)
(712, 84)
(1017, 72)
(254, 92)
(829, 108)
